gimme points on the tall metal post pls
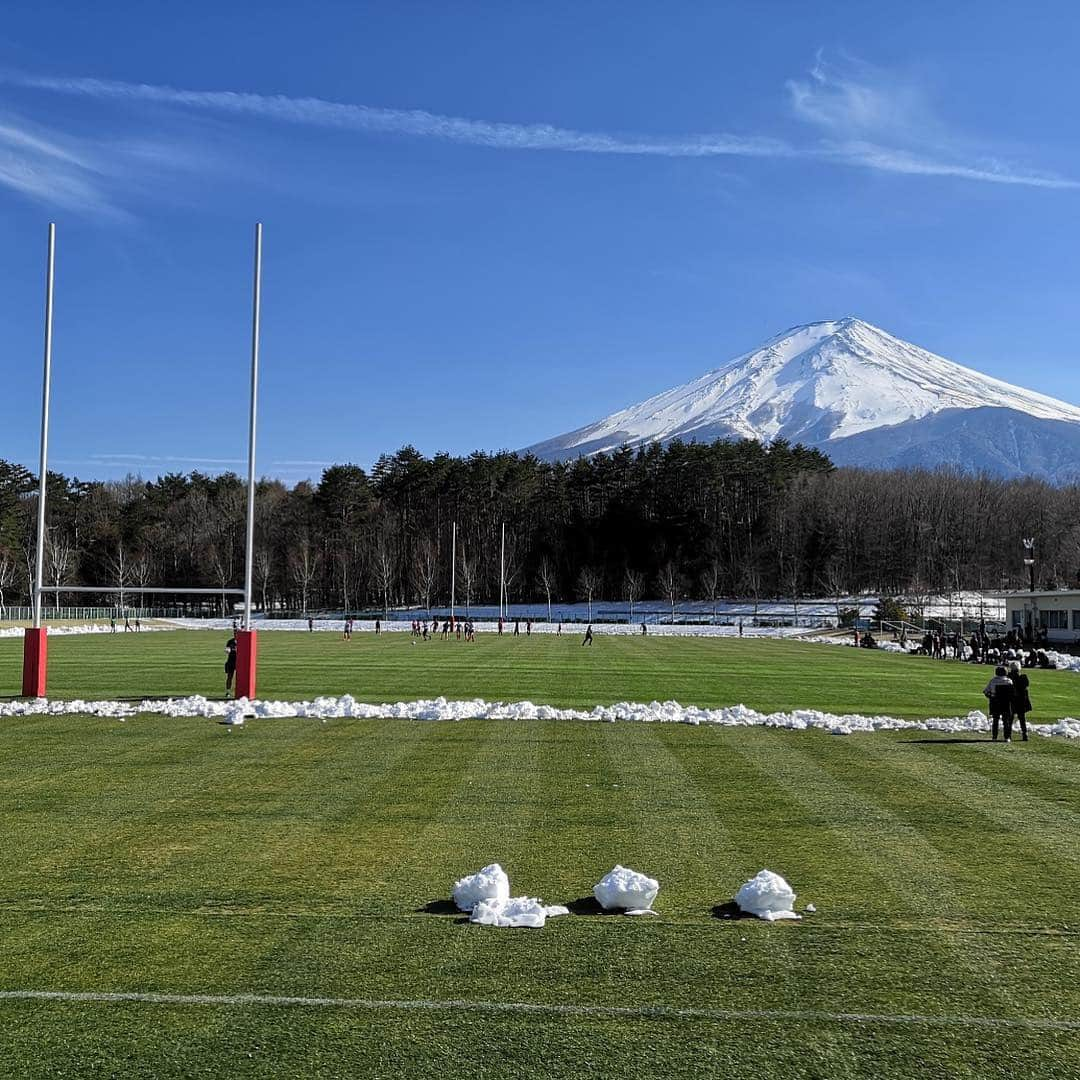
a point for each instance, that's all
(502, 573)
(43, 468)
(247, 639)
(249, 547)
(453, 569)
(35, 643)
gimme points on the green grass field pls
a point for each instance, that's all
(298, 858)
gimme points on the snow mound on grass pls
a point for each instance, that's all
(515, 911)
(626, 889)
(490, 885)
(768, 896)
(656, 712)
(80, 628)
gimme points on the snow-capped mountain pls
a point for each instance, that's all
(860, 395)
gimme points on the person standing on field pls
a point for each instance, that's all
(230, 664)
(1000, 692)
(588, 635)
(1021, 698)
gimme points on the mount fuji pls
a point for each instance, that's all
(859, 395)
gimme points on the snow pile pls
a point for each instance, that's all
(768, 896)
(490, 884)
(656, 712)
(515, 911)
(80, 628)
(627, 890)
(1064, 661)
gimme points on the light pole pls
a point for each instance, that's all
(1029, 562)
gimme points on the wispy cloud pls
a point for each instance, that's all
(316, 112)
(871, 119)
(167, 459)
(49, 168)
(861, 117)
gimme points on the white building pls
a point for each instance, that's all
(1056, 611)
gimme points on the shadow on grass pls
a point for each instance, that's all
(587, 905)
(438, 907)
(942, 742)
(730, 910)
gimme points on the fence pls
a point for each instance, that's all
(72, 614)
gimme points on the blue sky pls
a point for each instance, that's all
(486, 224)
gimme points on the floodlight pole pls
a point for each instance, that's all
(502, 573)
(453, 569)
(35, 646)
(246, 640)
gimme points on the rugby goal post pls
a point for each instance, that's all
(35, 640)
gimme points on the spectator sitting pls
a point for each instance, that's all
(1044, 661)
(868, 641)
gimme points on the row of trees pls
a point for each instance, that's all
(704, 521)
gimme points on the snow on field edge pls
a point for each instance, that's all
(656, 712)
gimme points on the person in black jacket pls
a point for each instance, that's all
(230, 663)
(1000, 692)
(1021, 697)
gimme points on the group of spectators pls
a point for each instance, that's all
(1009, 690)
(981, 648)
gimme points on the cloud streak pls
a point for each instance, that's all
(863, 119)
(316, 112)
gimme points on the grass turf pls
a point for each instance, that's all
(294, 857)
(767, 675)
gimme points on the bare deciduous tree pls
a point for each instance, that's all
(670, 580)
(426, 569)
(547, 579)
(264, 572)
(58, 559)
(710, 580)
(468, 577)
(304, 566)
(143, 572)
(589, 581)
(120, 573)
(633, 586)
(382, 565)
(7, 577)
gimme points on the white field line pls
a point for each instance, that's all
(615, 1012)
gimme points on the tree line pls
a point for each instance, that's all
(686, 520)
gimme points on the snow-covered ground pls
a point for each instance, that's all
(484, 627)
(656, 712)
(77, 628)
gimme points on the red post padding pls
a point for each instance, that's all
(35, 663)
(247, 652)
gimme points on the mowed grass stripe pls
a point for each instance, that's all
(997, 795)
(907, 868)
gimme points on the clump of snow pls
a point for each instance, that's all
(626, 889)
(488, 885)
(768, 896)
(515, 911)
(656, 712)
